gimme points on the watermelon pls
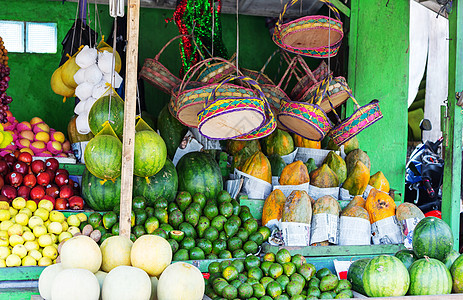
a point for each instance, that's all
(103, 156)
(100, 197)
(457, 274)
(429, 276)
(433, 238)
(171, 130)
(385, 276)
(450, 258)
(355, 274)
(406, 256)
(149, 153)
(198, 172)
(277, 164)
(163, 184)
(105, 108)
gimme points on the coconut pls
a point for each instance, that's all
(93, 74)
(80, 107)
(89, 103)
(106, 61)
(117, 79)
(86, 57)
(82, 123)
(79, 77)
(84, 91)
(100, 89)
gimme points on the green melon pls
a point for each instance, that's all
(171, 130)
(105, 109)
(100, 197)
(433, 238)
(277, 164)
(103, 156)
(450, 258)
(150, 153)
(355, 274)
(162, 184)
(457, 274)
(198, 172)
(429, 276)
(407, 257)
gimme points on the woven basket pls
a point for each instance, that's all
(156, 74)
(306, 119)
(313, 36)
(307, 81)
(267, 129)
(336, 95)
(217, 71)
(231, 117)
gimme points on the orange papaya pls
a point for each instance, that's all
(328, 205)
(379, 205)
(354, 156)
(324, 177)
(379, 182)
(279, 142)
(356, 212)
(235, 146)
(356, 201)
(358, 179)
(298, 208)
(295, 173)
(258, 166)
(301, 142)
(408, 210)
(273, 206)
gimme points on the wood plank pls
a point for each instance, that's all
(130, 104)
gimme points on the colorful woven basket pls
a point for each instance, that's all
(336, 94)
(362, 118)
(306, 119)
(217, 71)
(313, 36)
(307, 81)
(259, 76)
(232, 116)
(267, 129)
(156, 74)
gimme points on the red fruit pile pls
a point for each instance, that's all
(20, 176)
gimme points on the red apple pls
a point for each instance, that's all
(2, 182)
(61, 204)
(38, 166)
(9, 192)
(76, 202)
(3, 167)
(51, 173)
(25, 157)
(14, 178)
(37, 192)
(49, 198)
(30, 180)
(62, 171)
(10, 159)
(43, 179)
(24, 191)
(66, 191)
(61, 179)
(75, 186)
(52, 190)
(20, 167)
(52, 164)
(3, 198)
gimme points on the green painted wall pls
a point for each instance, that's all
(378, 69)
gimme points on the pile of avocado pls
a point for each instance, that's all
(277, 276)
(195, 227)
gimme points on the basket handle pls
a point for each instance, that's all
(349, 92)
(290, 69)
(306, 68)
(322, 90)
(333, 8)
(168, 43)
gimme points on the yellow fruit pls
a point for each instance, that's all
(4, 225)
(4, 214)
(73, 220)
(31, 245)
(55, 227)
(73, 230)
(50, 251)
(2, 263)
(26, 211)
(26, 229)
(4, 205)
(56, 216)
(28, 236)
(42, 212)
(19, 203)
(4, 252)
(13, 211)
(13, 260)
(39, 230)
(47, 204)
(65, 225)
(45, 240)
(4, 234)
(46, 223)
(16, 240)
(29, 261)
(82, 217)
(44, 261)
(15, 229)
(31, 205)
(7, 139)
(54, 238)
(35, 254)
(34, 221)
(21, 219)
(4, 241)
(64, 236)
(19, 250)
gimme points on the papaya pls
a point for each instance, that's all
(408, 210)
(258, 166)
(356, 212)
(328, 205)
(379, 205)
(240, 157)
(379, 182)
(357, 180)
(357, 201)
(310, 164)
(279, 142)
(298, 208)
(301, 142)
(354, 156)
(277, 164)
(295, 173)
(337, 164)
(234, 146)
(273, 206)
(324, 177)
(349, 146)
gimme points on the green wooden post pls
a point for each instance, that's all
(378, 69)
(452, 141)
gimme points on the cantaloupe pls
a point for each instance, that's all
(46, 279)
(154, 288)
(100, 276)
(182, 281)
(115, 252)
(151, 253)
(126, 282)
(75, 283)
(81, 252)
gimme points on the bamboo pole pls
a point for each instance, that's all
(133, 15)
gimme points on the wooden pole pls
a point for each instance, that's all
(133, 16)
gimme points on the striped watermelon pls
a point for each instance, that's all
(100, 197)
(450, 258)
(198, 172)
(103, 156)
(150, 153)
(433, 238)
(385, 276)
(429, 276)
(457, 274)
(355, 274)
(105, 108)
(406, 256)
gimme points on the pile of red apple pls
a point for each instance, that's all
(21, 176)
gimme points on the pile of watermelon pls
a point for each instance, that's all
(431, 268)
